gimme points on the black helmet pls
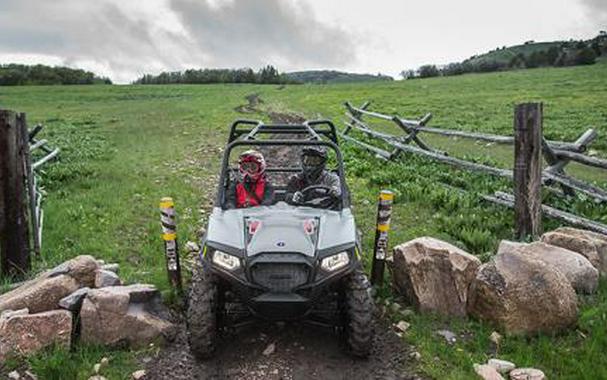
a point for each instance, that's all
(313, 160)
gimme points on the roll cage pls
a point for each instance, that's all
(309, 133)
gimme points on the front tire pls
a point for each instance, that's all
(358, 314)
(202, 313)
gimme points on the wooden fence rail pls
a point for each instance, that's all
(557, 155)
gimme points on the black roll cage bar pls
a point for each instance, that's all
(315, 129)
(245, 133)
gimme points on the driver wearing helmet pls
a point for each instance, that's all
(313, 172)
(253, 188)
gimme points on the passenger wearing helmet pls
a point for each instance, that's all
(313, 172)
(252, 188)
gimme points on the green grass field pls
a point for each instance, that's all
(125, 147)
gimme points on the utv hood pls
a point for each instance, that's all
(280, 228)
(280, 233)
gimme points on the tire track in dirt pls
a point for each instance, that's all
(301, 351)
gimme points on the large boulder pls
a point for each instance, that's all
(579, 271)
(434, 275)
(590, 244)
(522, 295)
(119, 315)
(22, 333)
(39, 295)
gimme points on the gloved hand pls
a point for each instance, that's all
(298, 197)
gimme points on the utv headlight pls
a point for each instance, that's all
(335, 262)
(226, 261)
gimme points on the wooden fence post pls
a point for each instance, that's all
(14, 240)
(528, 170)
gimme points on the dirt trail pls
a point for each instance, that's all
(301, 351)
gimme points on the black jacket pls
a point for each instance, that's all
(298, 182)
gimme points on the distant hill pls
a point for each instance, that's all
(529, 55)
(504, 55)
(331, 76)
(20, 75)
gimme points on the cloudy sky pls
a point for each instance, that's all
(123, 39)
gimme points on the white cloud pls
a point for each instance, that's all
(124, 39)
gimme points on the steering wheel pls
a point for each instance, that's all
(323, 199)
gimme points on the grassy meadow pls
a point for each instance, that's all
(125, 147)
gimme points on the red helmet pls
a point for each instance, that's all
(252, 165)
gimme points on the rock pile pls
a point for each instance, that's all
(523, 289)
(496, 369)
(81, 299)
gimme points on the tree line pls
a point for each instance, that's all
(267, 75)
(19, 75)
(567, 53)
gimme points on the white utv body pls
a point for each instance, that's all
(281, 261)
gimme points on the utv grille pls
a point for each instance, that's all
(280, 277)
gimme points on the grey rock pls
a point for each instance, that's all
(41, 294)
(590, 244)
(113, 316)
(495, 338)
(105, 278)
(73, 302)
(527, 374)
(486, 372)
(433, 275)
(522, 295)
(81, 268)
(449, 336)
(138, 293)
(579, 271)
(191, 246)
(25, 334)
(502, 366)
(269, 349)
(402, 326)
(113, 267)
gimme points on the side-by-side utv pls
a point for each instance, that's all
(281, 261)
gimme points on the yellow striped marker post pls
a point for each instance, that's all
(169, 236)
(384, 211)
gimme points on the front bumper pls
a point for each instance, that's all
(282, 286)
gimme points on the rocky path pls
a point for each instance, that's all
(297, 351)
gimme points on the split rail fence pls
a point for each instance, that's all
(557, 154)
(21, 214)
